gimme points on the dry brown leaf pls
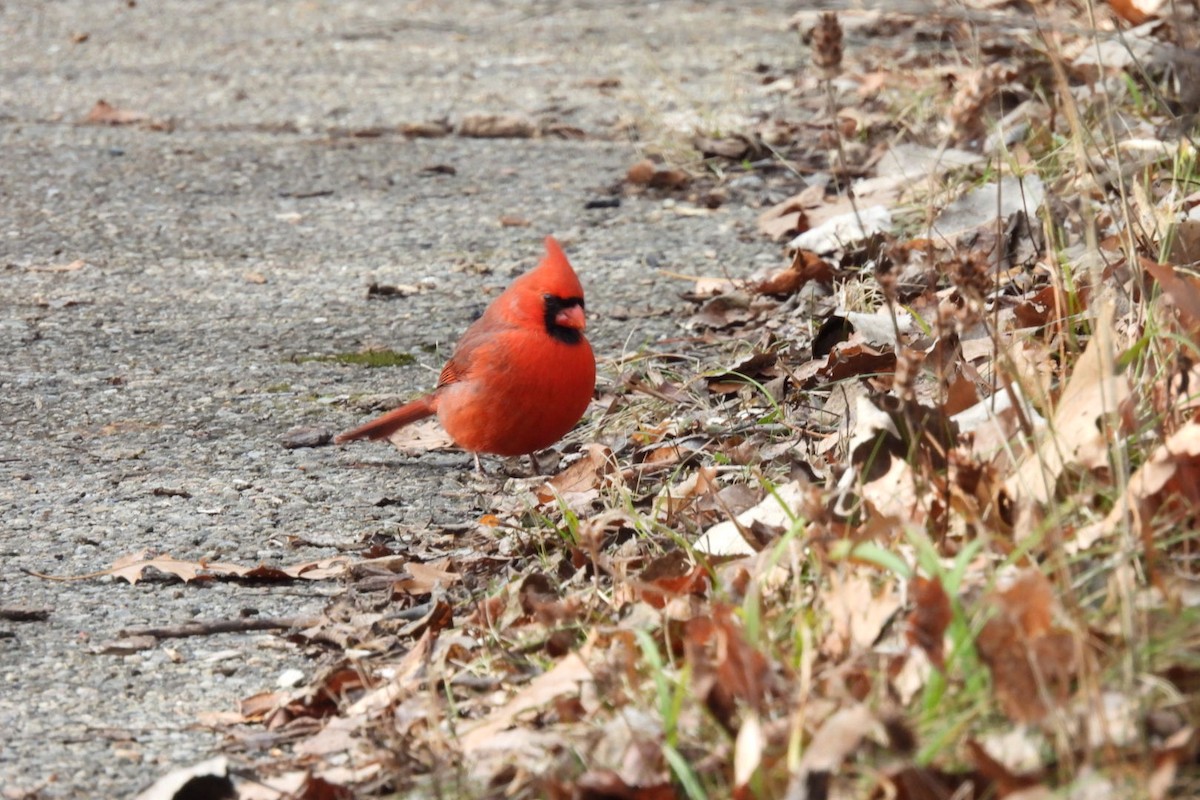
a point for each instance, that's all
(132, 568)
(839, 736)
(606, 784)
(726, 667)
(853, 359)
(669, 576)
(674, 498)
(671, 179)
(567, 677)
(735, 148)
(929, 618)
(1176, 751)
(857, 611)
(1184, 291)
(1074, 435)
(405, 679)
(586, 475)
(422, 437)
(426, 130)
(641, 173)
(894, 495)
(497, 126)
(805, 267)
(1169, 482)
(788, 218)
(1031, 660)
(725, 311)
(104, 113)
(73, 266)
(647, 173)
(424, 578)
(777, 510)
(259, 706)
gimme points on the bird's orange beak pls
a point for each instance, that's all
(571, 317)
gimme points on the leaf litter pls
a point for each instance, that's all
(909, 514)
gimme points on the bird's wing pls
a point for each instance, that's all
(476, 338)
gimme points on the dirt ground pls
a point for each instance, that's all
(167, 289)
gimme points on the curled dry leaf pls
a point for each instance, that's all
(641, 173)
(104, 113)
(850, 360)
(675, 498)
(857, 611)
(567, 677)
(726, 667)
(736, 147)
(423, 578)
(1167, 484)
(1032, 661)
(841, 232)
(133, 568)
(788, 218)
(929, 618)
(584, 476)
(777, 510)
(669, 576)
(1182, 289)
(805, 267)
(1075, 435)
(839, 736)
(647, 173)
(725, 311)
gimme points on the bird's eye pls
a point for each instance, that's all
(547, 297)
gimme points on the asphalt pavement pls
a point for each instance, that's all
(175, 291)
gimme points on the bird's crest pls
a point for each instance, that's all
(554, 274)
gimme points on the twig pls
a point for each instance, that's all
(24, 614)
(210, 627)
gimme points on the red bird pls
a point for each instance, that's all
(520, 377)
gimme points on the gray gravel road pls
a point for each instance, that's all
(144, 393)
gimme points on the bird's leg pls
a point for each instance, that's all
(537, 466)
(478, 466)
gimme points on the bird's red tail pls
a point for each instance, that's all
(384, 426)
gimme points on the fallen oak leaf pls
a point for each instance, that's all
(585, 475)
(104, 113)
(132, 568)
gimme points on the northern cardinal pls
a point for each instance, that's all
(520, 377)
